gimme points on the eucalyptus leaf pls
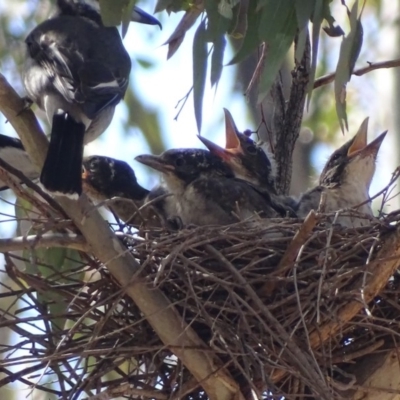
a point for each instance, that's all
(217, 59)
(200, 55)
(251, 40)
(112, 11)
(127, 16)
(278, 27)
(349, 52)
(316, 29)
(239, 28)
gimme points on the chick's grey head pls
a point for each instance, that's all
(186, 165)
(245, 157)
(354, 162)
(111, 178)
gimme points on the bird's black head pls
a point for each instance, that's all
(187, 165)
(247, 159)
(111, 178)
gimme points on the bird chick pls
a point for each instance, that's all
(205, 189)
(250, 162)
(105, 178)
(345, 179)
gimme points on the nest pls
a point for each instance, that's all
(290, 308)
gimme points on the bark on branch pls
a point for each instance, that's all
(103, 244)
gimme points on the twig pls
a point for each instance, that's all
(326, 79)
(290, 128)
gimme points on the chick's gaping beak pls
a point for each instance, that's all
(155, 162)
(360, 140)
(216, 150)
(373, 148)
(231, 131)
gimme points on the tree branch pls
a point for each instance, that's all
(326, 79)
(69, 241)
(205, 366)
(286, 136)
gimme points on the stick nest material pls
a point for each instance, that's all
(290, 307)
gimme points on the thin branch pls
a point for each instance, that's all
(326, 79)
(288, 133)
(69, 241)
(205, 366)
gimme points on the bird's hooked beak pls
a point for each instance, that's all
(215, 149)
(233, 146)
(155, 162)
(373, 148)
(360, 139)
(231, 134)
(138, 15)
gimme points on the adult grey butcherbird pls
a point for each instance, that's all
(77, 70)
(346, 179)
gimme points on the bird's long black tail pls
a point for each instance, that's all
(62, 170)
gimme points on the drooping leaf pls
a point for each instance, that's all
(225, 8)
(177, 36)
(317, 21)
(217, 23)
(239, 28)
(277, 28)
(112, 11)
(172, 5)
(127, 16)
(200, 55)
(217, 59)
(349, 52)
(251, 40)
(217, 27)
(304, 10)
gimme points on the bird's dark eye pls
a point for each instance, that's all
(179, 162)
(251, 149)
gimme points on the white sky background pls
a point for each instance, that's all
(168, 81)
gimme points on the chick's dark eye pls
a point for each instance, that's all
(179, 162)
(251, 149)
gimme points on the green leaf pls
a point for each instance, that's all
(173, 5)
(304, 10)
(216, 29)
(277, 28)
(112, 11)
(349, 52)
(177, 36)
(146, 64)
(126, 17)
(217, 24)
(317, 21)
(239, 26)
(200, 55)
(217, 59)
(252, 40)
